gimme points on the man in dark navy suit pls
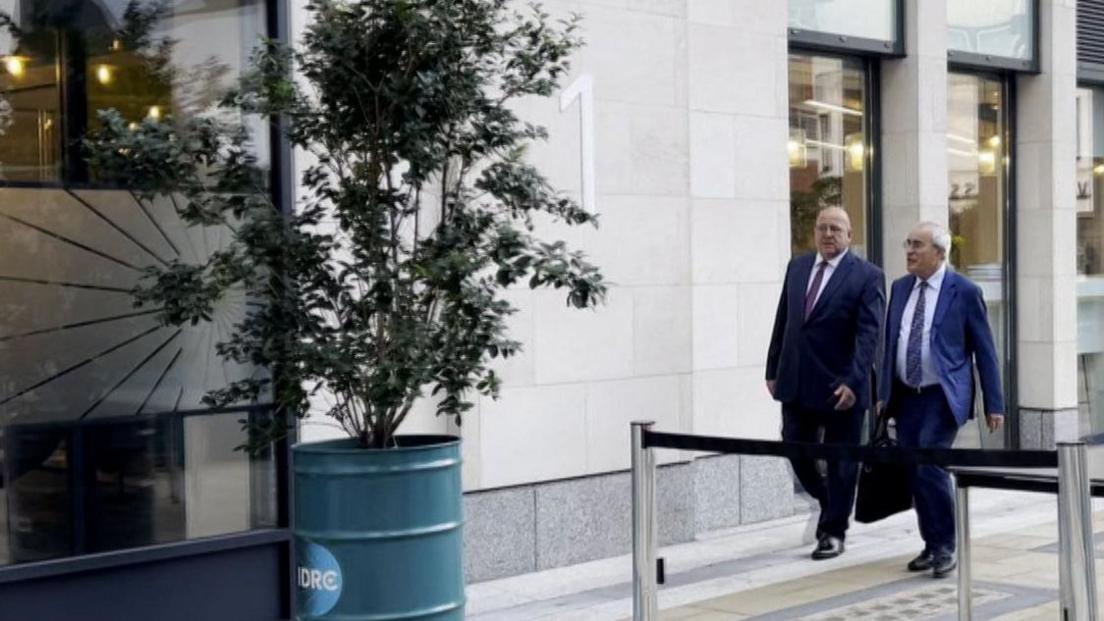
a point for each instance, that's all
(821, 355)
(936, 332)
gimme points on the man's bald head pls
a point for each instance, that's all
(832, 232)
(835, 213)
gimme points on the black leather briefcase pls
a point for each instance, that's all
(883, 488)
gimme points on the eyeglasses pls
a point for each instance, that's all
(913, 244)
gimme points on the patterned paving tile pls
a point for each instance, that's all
(914, 599)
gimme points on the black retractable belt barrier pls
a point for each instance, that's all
(1005, 469)
(868, 454)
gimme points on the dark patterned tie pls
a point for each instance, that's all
(814, 289)
(914, 372)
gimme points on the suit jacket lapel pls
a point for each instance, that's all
(834, 284)
(946, 296)
(800, 282)
(896, 314)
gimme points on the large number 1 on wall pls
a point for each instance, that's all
(583, 90)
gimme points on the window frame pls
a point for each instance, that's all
(971, 62)
(832, 43)
(73, 112)
(1096, 86)
(872, 128)
(277, 25)
(1009, 365)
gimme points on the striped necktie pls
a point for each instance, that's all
(914, 372)
(814, 289)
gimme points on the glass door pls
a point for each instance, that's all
(977, 197)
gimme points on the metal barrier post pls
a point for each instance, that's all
(645, 541)
(962, 532)
(1077, 558)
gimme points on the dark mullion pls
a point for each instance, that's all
(282, 178)
(1012, 334)
(873, 160)
(73, 61)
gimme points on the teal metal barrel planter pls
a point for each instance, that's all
(378, 532)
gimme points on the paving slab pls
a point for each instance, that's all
(762, 572)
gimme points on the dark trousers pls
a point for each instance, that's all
(836, 492)
(924, 420)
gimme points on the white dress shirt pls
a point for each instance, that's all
(830, 269)
(931, 298)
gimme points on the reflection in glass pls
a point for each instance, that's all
(95, 454)
(152, 60)
(30, 101)
(868, 19)
(1090, 259)
(1004, 28)
(827, 148)
(177, 67)
(977, 165)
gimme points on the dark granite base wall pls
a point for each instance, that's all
(1040, 429)
(534, 527)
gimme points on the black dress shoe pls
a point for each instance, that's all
(828, 547)
(943, 565)
(923, 562)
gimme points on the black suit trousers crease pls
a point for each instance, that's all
(836, 491)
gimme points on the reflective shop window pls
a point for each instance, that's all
(30, 103)
(828, 145)
(1004, 28)
(977, 197)
(1090, 259)
(867, 19)
(104, 440)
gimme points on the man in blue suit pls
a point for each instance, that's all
(821, 355)
(936, 332)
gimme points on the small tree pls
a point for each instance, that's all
(384, 286)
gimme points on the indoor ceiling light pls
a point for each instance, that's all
(833, 107)
(154, 113)
(796, 149)
(16, 66)
(987, 162)
(104, 74)
(826, 145)
(856, 152)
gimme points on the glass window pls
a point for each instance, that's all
(1090, 258)
(1004, 28)
(148, 59)
(101, 446)
(868, 19)
(977, 167)
(828, 148)
(30, 103)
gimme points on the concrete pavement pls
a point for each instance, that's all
(762, 572)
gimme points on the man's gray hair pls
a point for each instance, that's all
(940, 236)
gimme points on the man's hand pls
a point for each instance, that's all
(845, 397)
(770, 386)
(879, 407)
(993, 421)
